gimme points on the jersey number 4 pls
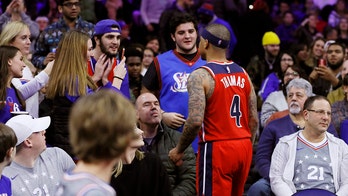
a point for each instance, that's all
(235, 110)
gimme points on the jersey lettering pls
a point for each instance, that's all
(180, 82)
(235, 110)
(314, 171)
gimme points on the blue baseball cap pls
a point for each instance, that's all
(106, 26)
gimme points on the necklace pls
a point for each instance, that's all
(270, 64)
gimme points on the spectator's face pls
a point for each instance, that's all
(38, 140)
(286, 61)
(185, 38)
(153, 44)
(312, 21)
(109, 43)
(134, 66)
(272, 49)
(319, 118)
(137, 140)
(148, 109)
(302, 55)
(288, 19)
(343, 25)
(22, 41)
(188, 3)
(89, 48)
(335, 56)
(290, 74)
(344, 71)
(148, 58)
(43, 23)
(70, 9)
(16, 66)
(296, 98)
(318, 48)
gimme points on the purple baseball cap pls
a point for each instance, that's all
(106, 26)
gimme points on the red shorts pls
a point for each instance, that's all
(223, 167)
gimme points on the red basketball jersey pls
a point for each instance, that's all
(226, 112)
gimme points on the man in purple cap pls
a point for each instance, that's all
(36, 169)
(48, 40)
(106, 41)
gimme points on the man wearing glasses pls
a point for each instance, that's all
(311, 160)
(50, 37)
(297, 92)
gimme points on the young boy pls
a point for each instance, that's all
(100, 128)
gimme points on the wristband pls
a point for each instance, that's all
(118, 78)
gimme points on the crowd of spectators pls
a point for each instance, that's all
(275, 41)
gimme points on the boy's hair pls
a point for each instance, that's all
(8, 140)
(100, 126)
(181, 18)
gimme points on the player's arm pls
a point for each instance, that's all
(197, 102)
(253, 117)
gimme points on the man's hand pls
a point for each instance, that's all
(326, 74)
(99, 68)
(176, 157)
(173, 120)
(120, 70)
(50, 57)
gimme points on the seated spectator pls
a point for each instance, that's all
(35, 168)
(298, 90)
(325, 78)
(272, 82)
(276, 101)
(149, 54)
(160, 139)
(311, 158)
(307, 31)
(339, 94)
(134, 58)
(340, 108)
(153, 43)
(16, 11)
(99, 135)
(140, 173)
(316, 52)
(11, 97)
(286, 30)
(207, 16)
(8, 142)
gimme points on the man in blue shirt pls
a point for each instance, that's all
(50, 37)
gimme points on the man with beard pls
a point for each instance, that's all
(260, 66)
(106, 38)
(168, 73)
(48, 40)
(298, 90)
(324, 78)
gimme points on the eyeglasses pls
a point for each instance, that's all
(70, 5)
(294, 74)
(321, 112)
(289, 60)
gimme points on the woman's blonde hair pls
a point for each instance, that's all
(69, 73)
(9, 34)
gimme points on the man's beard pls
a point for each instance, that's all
(336, 65)
(294, 110)
(106, 52)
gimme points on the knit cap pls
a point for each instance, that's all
(270, 38)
